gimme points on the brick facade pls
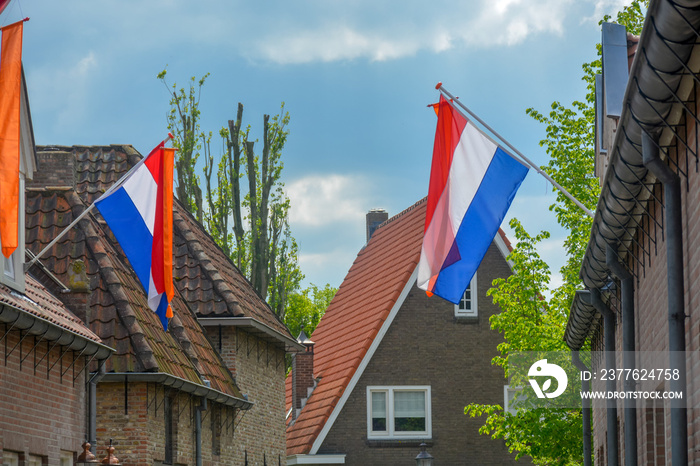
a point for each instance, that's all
(651, 314)
(427, 345)
(259, 369)
(134, 416)
(42, 413)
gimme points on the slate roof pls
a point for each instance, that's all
(119, 312)
(354, 317)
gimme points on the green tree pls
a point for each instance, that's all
(183, 122)
(306, 308)
(529, 321)
(246, 210)
(249, 220)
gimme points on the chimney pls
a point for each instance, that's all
(302, 374)
(56, 167)
(375, 217)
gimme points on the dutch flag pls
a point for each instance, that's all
(139, 211)
(472, 184)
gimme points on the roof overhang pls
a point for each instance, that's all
(649, 105)
(257, 328)
(179, 384)
(315, 459)
(35, 325)
(582, 319)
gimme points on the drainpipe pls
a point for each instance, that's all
(609, 339)
(628, 347)
(198, 426)
(586, 402)
(676, 286)
(92, 405)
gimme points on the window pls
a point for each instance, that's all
(398, 412)
(510, 404)
(66, 458)
(34, 460)
(10, 458)
(468, 306)
(168, 420)
(215, 429)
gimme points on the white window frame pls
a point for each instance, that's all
(390, 434)
(34, 460)
(473, 310)
(509, 401)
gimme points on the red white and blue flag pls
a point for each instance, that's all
(140, 214)
(472, 184)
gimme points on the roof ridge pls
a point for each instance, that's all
(403, 212)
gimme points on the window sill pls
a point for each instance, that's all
(467, 319)
(399, 443)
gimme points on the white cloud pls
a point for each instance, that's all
(408, 30)
(610, 7)
(319, 200)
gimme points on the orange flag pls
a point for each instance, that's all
(10, 90)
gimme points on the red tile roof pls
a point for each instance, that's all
(353, 319)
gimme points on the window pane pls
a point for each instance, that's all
(10, 266)
(10, 458)
(465, 304)
(379, 411)
(409, 411)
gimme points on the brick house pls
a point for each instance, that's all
(209, 392)
(43, 380)
(640, 267)
(44, 409)
(390, 368)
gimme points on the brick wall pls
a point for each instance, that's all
(39, 414)
(651, 313)
(426, 345)
(302, 376)
(259, 370)
(138, 432)
(56, 168)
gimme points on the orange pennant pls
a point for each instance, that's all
(10, 91)
(168, 163)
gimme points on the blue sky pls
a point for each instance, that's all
(355, 77)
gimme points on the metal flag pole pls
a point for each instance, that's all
(531, 164)
(109, 191)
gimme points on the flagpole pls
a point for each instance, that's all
(89, 208)
(560, 188)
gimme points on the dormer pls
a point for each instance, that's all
(13, 268)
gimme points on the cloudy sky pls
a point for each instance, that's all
(355, 76)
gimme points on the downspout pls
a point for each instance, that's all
(92, 405)
(676, 307)
(628, 348)
(609, 339)
(203, 406)
(585, 387)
